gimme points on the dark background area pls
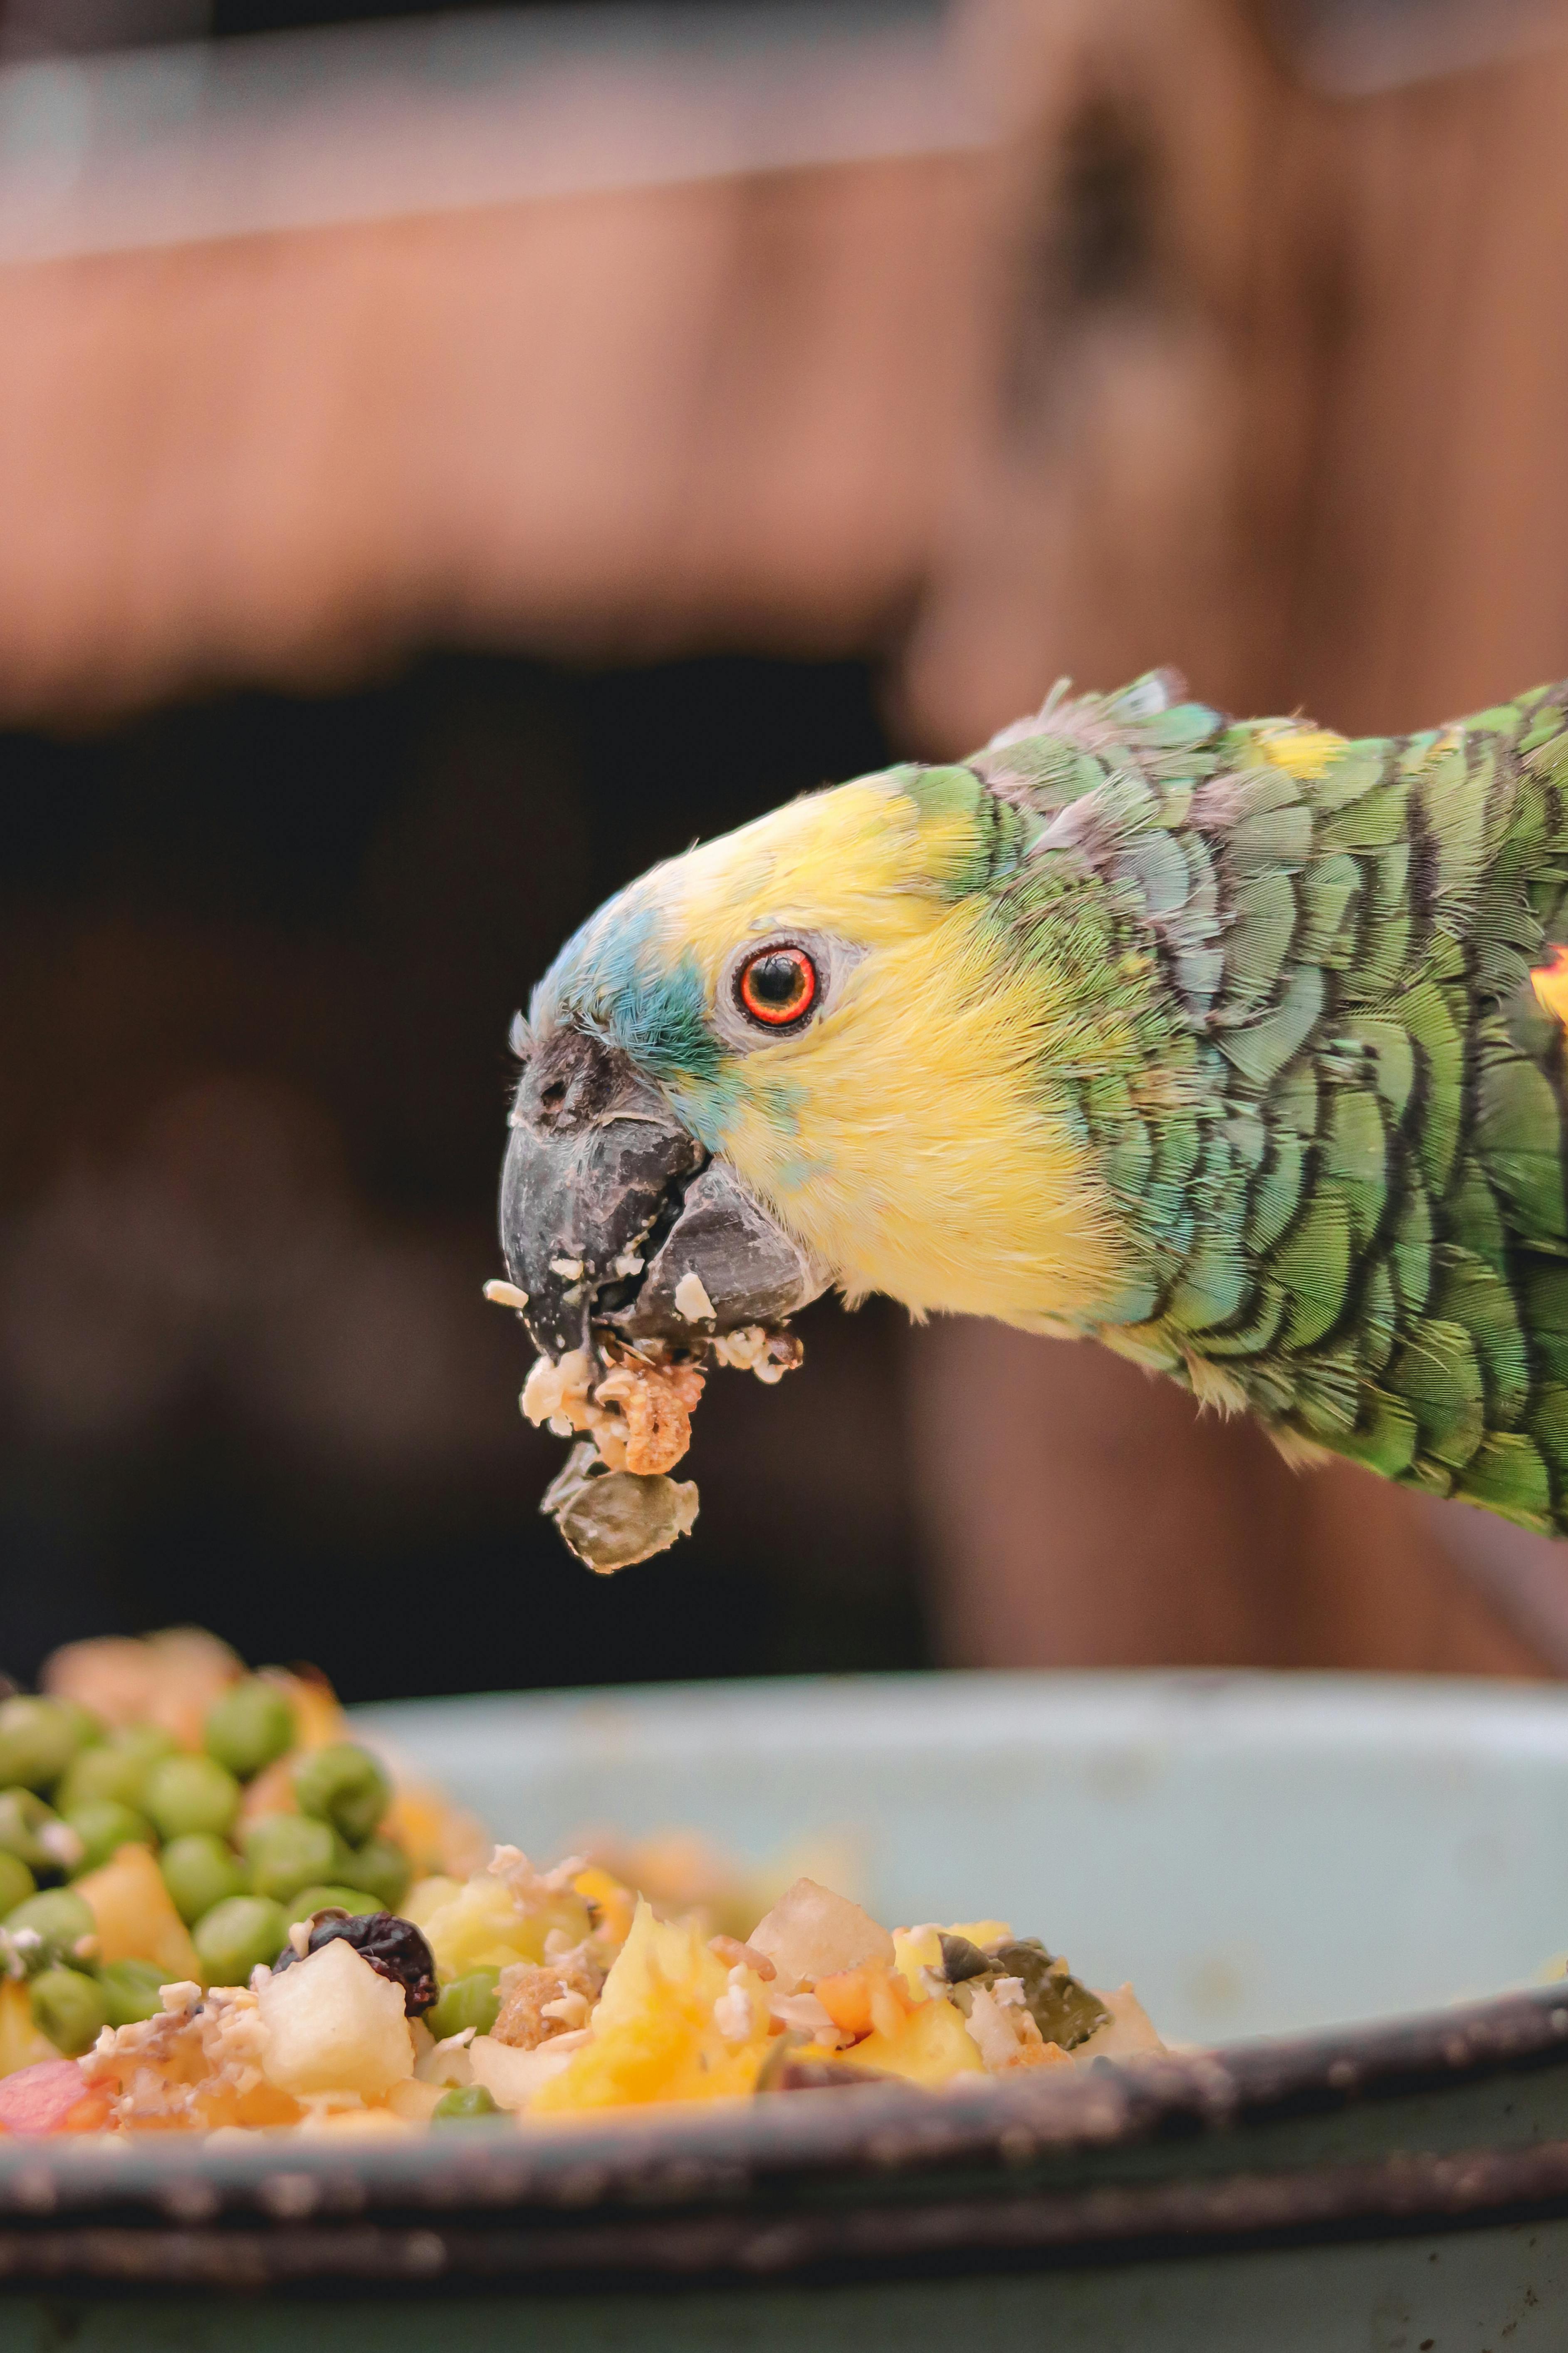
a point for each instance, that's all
(260, 955)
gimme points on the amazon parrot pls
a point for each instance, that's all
(1235, 1045)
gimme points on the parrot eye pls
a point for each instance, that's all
(777, 986)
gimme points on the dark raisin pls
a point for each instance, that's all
(393, 1946)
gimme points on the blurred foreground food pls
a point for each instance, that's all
(165, 1816)
(220, 1912)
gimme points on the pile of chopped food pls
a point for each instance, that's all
(167, 1818)
(220, 1914)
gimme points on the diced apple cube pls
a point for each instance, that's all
(334, 2024)
(811, 1933)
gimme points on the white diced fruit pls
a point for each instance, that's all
(811, 1933)
(334, 2024)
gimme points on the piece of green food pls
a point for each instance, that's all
(381, 1867)
(131, 1991)
(284, 1852)
(462, 2103)
(35, 1834)
(311, 1900)
(238, 1936)
(191, 1793)
(16, 1883)
(471, 2001)
(70, 2007)
(104, 1826)
(250, 1727)
(38, 1738)
(56, 1925)
(116, 1769)
(343, 1785)
(199, 1871)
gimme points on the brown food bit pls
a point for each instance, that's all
(736, 1955)
(656, 1402)
(542, 1999)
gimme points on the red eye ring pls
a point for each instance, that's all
(777, 986)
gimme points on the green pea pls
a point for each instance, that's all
(200, 1871)
(464, 2102)
(249, 1726)
(104, 1826)
(284, 1852)
(191, 1793)
(71, 2009)
(50, 1928)
(35, 1835)
(237, 1936)
(382, 1869)
(131, 1991)
(343, 1785)
(39, 1737)
(472, 2000)
(16, 1883)
(116, 1769)
(352, 1900)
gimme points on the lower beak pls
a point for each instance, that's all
(612, 1213)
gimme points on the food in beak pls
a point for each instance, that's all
(636, 1262)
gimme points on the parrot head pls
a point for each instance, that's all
(810, 1054)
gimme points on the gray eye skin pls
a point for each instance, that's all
(834, 957)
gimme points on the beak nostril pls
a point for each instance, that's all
(553, 1095)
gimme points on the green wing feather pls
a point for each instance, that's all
(1299, 1026)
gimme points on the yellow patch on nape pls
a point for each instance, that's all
(1302, 752)
(1550, 982)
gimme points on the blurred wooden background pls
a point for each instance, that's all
(1188, 359)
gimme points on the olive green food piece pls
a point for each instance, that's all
(191, 1793)
(200, 1871)
(381, 1868)
(70, 2007)
(237, 1936)
(30, 1830)
(311, 1900)
(463, 2102)
(343, 1785)
(250, 1727)
(38, 1738)
(1066, 2013)
(16, 1883)
(612, 1518)
(471, 2001)
(104, 1826)
(131, 1991)
(116, 1769)
(284, 1852)
(51, 1927)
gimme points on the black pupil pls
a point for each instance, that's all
(776, 980)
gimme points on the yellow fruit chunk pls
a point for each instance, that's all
(615, 1903)
(427, 1897)
(486, 1926)
(930, 2047)
(136, 1919)
(21, 2044)
(672, 2023)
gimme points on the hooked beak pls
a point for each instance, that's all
(608, 1205)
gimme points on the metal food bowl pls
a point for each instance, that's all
(1347, 1889)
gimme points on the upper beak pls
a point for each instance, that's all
(608, 1204)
